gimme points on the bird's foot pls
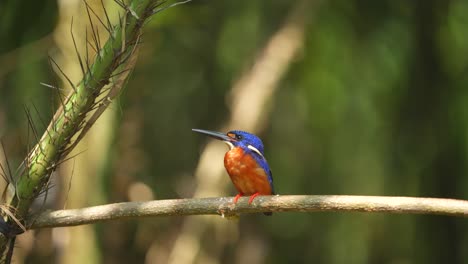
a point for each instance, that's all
(253, 197)
(237, 197)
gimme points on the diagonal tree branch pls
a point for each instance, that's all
(224, 206)
(102, 81)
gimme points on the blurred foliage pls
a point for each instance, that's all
(376, 104)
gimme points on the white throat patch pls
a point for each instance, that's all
(230, 145)
(254, 149)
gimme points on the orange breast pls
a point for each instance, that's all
(248, 177)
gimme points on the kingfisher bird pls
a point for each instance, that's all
(245, 163)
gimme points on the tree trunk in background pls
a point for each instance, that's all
(79, 244)
(429, 109)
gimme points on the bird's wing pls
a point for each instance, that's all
(270, 179)
(266, 168)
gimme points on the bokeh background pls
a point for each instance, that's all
(349, 96)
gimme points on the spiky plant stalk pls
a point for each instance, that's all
(101, 82)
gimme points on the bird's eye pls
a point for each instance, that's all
(239, 137)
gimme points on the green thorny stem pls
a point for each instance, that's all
(69, 123)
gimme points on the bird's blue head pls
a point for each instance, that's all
(237, 138)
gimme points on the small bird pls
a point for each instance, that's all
(245, 163)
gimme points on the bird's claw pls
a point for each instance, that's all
(237, 198)
(253, 197)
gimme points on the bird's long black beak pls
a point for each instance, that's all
(214, 134)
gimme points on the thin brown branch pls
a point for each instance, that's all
(224, 206)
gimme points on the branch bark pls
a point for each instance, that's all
(224, 206)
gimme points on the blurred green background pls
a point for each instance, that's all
(375, 102)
